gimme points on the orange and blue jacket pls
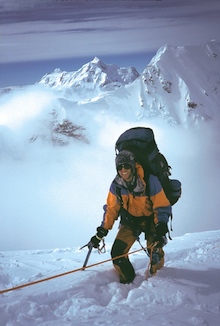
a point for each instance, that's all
(143, 200)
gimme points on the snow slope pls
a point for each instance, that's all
(187, 81)
(185, 292)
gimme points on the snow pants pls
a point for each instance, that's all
(123, 242)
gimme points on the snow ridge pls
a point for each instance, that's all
(184, 83)
(94, 74)
(181, 85)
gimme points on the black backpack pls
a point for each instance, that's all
(140, 141)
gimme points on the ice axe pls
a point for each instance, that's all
(90, 246)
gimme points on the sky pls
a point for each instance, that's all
(39, 36)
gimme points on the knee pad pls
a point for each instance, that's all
(126, 269)
(118, 248)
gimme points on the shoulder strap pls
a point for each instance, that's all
(118, 195)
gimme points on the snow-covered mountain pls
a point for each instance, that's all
(181, 85)
(92, 77)
(74, 129)
(184, 82)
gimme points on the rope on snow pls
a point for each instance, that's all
(69, 272)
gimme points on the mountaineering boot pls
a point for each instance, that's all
(157, 261)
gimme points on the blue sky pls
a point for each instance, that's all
(39, 36)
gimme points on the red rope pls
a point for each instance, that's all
(67, 273)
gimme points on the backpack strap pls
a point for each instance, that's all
(119, 197)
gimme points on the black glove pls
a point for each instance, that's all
(101, 232)
(161, 230)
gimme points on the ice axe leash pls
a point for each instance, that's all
(90, 246)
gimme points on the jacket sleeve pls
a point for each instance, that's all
(161, 205)
(111, 208)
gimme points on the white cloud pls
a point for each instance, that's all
(50, 195)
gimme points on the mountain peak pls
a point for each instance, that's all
(92, 75)
(96, 60)
(183, 82)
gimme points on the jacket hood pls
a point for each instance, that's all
(138, 182)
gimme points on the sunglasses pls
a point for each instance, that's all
(126, 166)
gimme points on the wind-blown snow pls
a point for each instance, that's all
(185, 292)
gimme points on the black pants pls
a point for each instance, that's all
(123, 242)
